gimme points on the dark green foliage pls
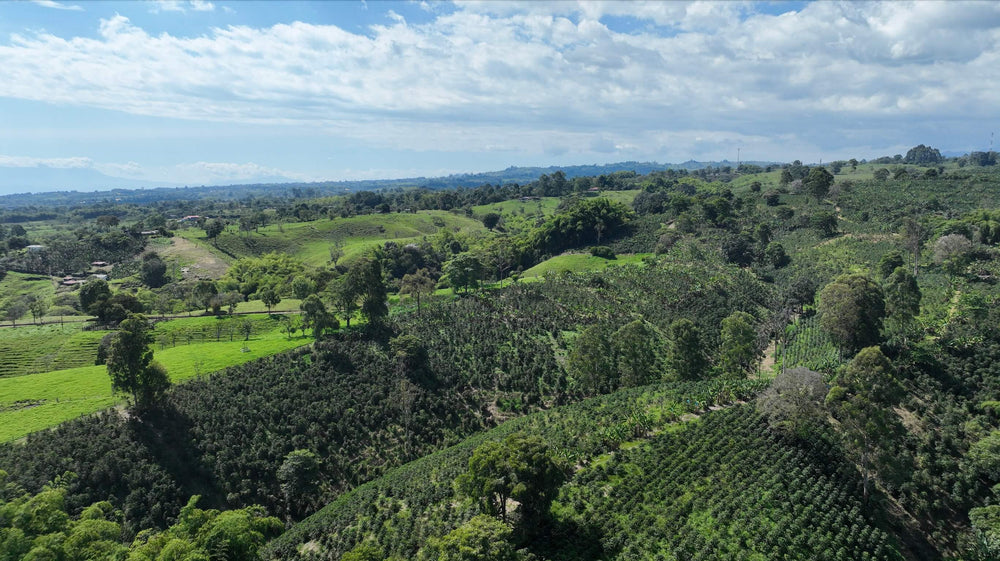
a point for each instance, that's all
(719, 487)
(92, 293)
(602, 251)
(637, 348)
(818, 183)
(587, 221)
(591, 361)
(686, 356)
(888, 263)
(851, 310)
(397, 513)
(739, 350)
(520, 468)
(130, 363)
(299, 479)
(464, 271)
(923, 155)
(491, 220)
(153, 271)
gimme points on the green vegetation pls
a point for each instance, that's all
(579, 263)
(311, 241)
(859, 299)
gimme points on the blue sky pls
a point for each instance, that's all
(229, 92)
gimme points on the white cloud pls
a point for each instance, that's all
(57, 5)
(545, 76)
(182, 6)
(31, 162)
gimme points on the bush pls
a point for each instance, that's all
(602, 251)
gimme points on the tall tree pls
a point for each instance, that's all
(851, 310)
(591, 361)
(270, 298)
(464, 271)
(902, 304)
(521, 468)
(130, 362)
(739, 351)
(416, 284)
(298, 478)
(637, 353)
(794, 401)
(686, 357)
(365, 278)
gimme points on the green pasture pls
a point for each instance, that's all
(38, 401)
(580, 262)
(545, 206)
(15, 284)
(311, 241)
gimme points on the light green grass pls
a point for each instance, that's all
(545, 206)
(41, 348)
(580, 262)
(16, 285)
(38, 401)
(311, 241)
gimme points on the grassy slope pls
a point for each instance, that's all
(33, 349)
(311, 241)
(21, 284)
(581, 262)
(38, 401)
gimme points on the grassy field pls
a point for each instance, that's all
(311, 241)
(33, 349)
(37, 401)
(14, 285)
(545, 206)
(580, 262)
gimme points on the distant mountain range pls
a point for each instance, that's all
(45, 178)
(46, 185)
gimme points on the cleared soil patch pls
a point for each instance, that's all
(195, 261)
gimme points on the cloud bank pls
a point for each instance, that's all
(673, 79)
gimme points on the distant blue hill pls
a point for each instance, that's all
(56, 186)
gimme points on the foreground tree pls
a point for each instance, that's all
(464, 271)
(637, 353)
(686, 358)
(130, 363)
(270, 298)
(365, 280)
(480, 539)
(591, 361)
(739, 350)
(794, 401)
(818, 183)
(298, 477)
(520, 468)
(851, 311)
(416, 284)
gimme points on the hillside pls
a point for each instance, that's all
(784, 364)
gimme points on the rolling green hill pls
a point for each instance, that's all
(311, 241)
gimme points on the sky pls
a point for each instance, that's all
(213, 92)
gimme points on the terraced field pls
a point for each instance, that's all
(29, 350)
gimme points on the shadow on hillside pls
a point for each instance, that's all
(564, 540)
(166, 434)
